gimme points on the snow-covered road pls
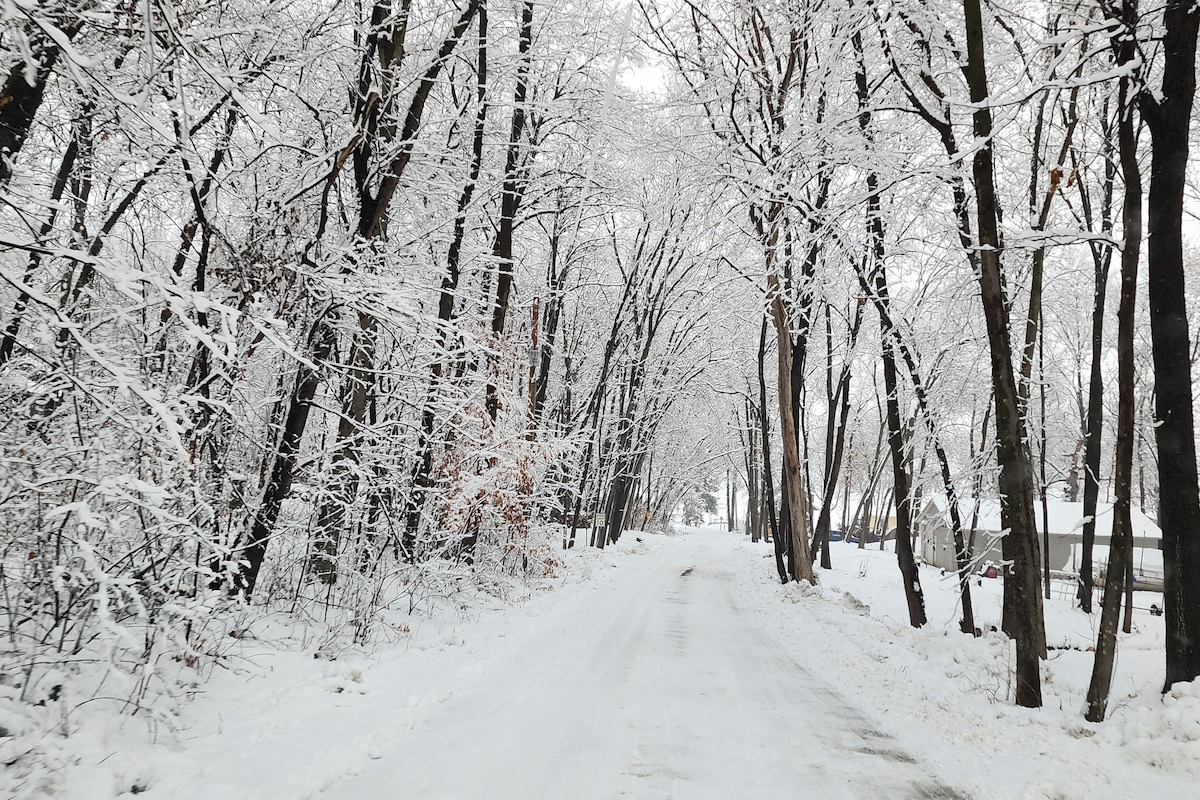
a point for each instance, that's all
(658, 684)
(673, 667)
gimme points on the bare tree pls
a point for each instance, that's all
(1025, 623)
(1120, 548)
(1168, 114)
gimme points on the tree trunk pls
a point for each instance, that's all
(913, 595)
(1169, 120)
(9, 341)
(358, 385)
(1120, 549)
(511, 194)
(835, 432)
(253, 548)
(1016, 471)
(1092, 449)
(768, 470)
(794, 500)
(1093, 424)
(373, 210)
(962, 548)
(423, 470)
(345, 469)
(753, 473)
(728, 500)
(20, 98)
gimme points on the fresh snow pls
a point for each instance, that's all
(664, 667)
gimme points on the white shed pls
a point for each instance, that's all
(1066, 530)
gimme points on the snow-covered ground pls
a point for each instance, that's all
(947, 697)
(664, 667)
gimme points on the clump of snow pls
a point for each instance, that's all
(1164, 735)
(854, 604)
(802, 592)
(30, 752)
(340, 677)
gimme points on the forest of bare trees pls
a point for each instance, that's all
(307, 306)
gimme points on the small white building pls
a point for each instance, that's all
(1066, 531)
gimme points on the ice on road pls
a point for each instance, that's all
(659, 684)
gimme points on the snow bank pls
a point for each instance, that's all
(1166, 736)
(947, 697)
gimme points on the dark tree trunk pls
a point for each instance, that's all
(914, 596)
(556, 281)
(592, 414)
(1169, 120)
(768, 478)
(794, 503)
(9, 341)
(1093, 426)
(423, 469)
(729, 501)
(835, 433)
(1034, 333)
(962, 549)
(753, 472)
(511, 194)
(1120, 550)
(20, 99)
(345, 470)
(1016, 471)
(358, 386)
(373, 208)
(252, 549)
(932, 106)
(1092, 448)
